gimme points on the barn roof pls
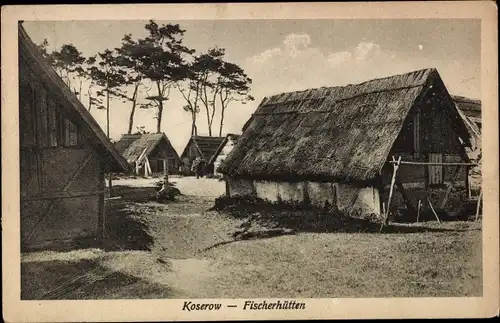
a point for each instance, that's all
(234, 138)
(470, 107)
(78, 113)
(207, 146)
(467, 105)
(134, 147)
(337, 132)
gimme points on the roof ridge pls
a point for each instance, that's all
(464, 99)
(430, 69)
(208, 137)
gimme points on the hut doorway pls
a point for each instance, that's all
(435, 171)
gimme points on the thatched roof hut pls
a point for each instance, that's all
(64, 155)
(206, 146)
(471, 108)
(203, 148)
(470, 111)
(343, 133)
(139, 148)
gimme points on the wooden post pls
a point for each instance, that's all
(146, 169)
(479, 204)
(469, 192)
(435, 214)
(391, 190)
(406, 199)
(334, 197)
(352, 202)
(226, 182)
(450, 187)
(432, 163)
(136, 168)
(467, 186)
(165, 167)
(418, 211)
(149, 166)
(110, 184)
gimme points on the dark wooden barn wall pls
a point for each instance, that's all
(436, 135)
(163, 151)
(187, 158)
(62, 177)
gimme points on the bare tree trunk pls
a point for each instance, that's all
(131, 119)
(68, 79)
(110, 184)
(132, 112)
(208, 121)
(158, 120)
(194, 129)
(80, 91)
(223, 108)
(107, 113)
(223, 105)
(213, 109)
(89, 93)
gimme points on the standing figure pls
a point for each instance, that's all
(196, 167)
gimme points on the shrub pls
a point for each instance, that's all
(223, 202)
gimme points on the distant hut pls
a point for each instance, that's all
(224, 149)
(63, 158)
(470, 111)
(203, 148)
(334, 146)
(470, 107)
(149, 154)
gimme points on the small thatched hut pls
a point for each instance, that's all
(470, 107)
(63, 158)
(150, 152)
(224, 149)
(203, 147)
(470, 111)
(335, 145)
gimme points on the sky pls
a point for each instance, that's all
(287, 55)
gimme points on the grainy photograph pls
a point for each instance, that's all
(228, 161)
(170, 159)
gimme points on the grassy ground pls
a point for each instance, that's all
(183, 250)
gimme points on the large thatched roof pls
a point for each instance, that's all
(338, 132)
(79, 115)
(206, 146)
(135, 147)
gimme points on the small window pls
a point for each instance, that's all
(53, 124)
(69, 134)
(43, 126)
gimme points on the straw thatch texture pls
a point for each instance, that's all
(135, 147)
(472, 127)
(470, 108)
(339, 132)
(206, 146)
